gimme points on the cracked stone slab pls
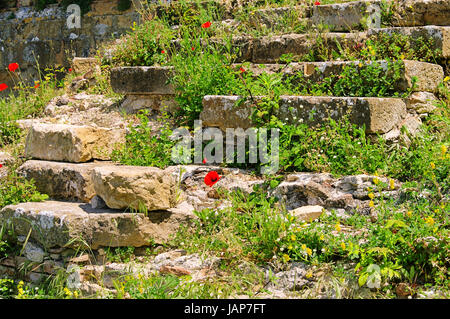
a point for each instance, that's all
(71, 143)
(66, 181)
(68, 224)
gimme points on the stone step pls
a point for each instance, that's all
(121, 187)
(135, 187)
(428, 75)
(379, 115)
(269, 49)
(71, 143)
(62, 181)
(373, 13)
(142, 80)
(68, 224)
(438, 34)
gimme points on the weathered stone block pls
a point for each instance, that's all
(379, 115)
(71, 143)
(58, 224)
(135, 187)
(62, 180)
(142, 80)
(428, 75)
(135, 102)
(307, 213)
(421, 12)
(422, 102)
(343, 16)
(83, 65)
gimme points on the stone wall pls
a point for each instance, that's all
(27, 35)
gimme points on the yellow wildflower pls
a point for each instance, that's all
(443, 150)
(376, 181)
(322, 237)
(371, 196)
(303, 247)
(392, 183)
(360, 64)
(286, 258)
(293, 237)
(429, 220)
(343, 246)
(337, 227)
(409, 213)
(290, 247)
(75, 294)
(67, 292)
(20, 291)
(447, 78)
(371, 203)
(432, 165)
(309, 251)
(402, 56)
(309, 274)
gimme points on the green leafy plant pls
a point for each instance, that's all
(144, 147)
(15, 189)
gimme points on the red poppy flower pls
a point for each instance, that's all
(192, 49)
(211, 178)
(36, 86)
(162, 51)
(3, 86)
(204, 160)
(206, 25)
(1, 165)
(317, 3)
(242, 69)
(13, 66)
(70, 69)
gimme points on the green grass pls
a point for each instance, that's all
(25, 101)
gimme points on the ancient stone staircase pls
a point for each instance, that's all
(96, 203)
